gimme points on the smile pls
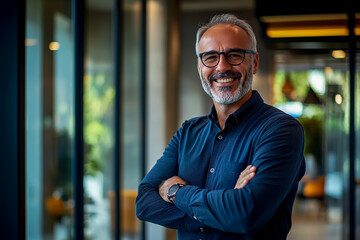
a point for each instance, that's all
(224, 80)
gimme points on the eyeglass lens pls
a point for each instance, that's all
(211, 59)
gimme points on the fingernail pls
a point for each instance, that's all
(252, 168)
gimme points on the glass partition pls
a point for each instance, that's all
(49, 119)
(131, 119)
(99, 116)
(336, 142)
(316, 91)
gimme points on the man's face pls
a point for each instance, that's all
(224, 83)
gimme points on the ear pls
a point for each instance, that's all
(256, 62)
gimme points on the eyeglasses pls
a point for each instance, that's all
(234, 57)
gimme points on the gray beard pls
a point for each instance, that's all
(225, 96)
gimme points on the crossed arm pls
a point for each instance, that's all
(246, 175)
(279, 165)
(153, 205)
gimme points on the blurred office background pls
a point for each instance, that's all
(128, 69)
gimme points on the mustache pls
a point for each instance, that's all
(215, 76)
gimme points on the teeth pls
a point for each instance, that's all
(224, 80)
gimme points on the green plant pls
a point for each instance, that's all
(313, 132)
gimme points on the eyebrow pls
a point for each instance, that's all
(229, 50)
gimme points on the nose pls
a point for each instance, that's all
(223, 65)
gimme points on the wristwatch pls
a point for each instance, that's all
(172, 191)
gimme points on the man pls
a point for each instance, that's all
(196, 186)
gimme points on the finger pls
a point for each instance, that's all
(243, 184)
(245, 176)
(245, 171)
(250, 171)
(244, 180)
(250, 176)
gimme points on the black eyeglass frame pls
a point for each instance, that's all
(244, 51)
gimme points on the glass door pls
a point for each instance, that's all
(314, 87)
(50, 114)
(49, 119)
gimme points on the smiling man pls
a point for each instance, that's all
(205, 184)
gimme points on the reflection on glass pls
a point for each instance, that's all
(337, 151)
(49, 120)
(99, 116)
(131, 119)
(323, 117)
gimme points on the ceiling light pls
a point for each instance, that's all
(338, 54)
(306, 31)
(320, 25)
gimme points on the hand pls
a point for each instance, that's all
(245, 177)
(164, 186)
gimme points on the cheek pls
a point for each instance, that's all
(205, 73)
(244, 71)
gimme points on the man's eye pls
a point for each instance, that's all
(212, 57)
(234, 55)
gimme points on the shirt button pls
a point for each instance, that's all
(212, 170)
(195, 217)
(201, 229)
(220, 137)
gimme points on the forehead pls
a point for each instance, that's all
(224, 36)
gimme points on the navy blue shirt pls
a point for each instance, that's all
(210, 160)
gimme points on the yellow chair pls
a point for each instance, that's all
(315, 188)
(129, 223)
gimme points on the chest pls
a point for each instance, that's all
(214, 159)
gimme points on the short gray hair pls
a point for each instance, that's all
(230, 19)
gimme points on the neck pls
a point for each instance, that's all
(224, 110)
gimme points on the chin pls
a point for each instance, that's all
(233, 97)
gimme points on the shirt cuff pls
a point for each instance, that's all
(183, 202)
(188, 197)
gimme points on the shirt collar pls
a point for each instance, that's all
(248, 108)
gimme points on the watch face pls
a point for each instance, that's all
(173, 189)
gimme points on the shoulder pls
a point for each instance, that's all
(275, 114)
(274, 119)
(196, 122)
